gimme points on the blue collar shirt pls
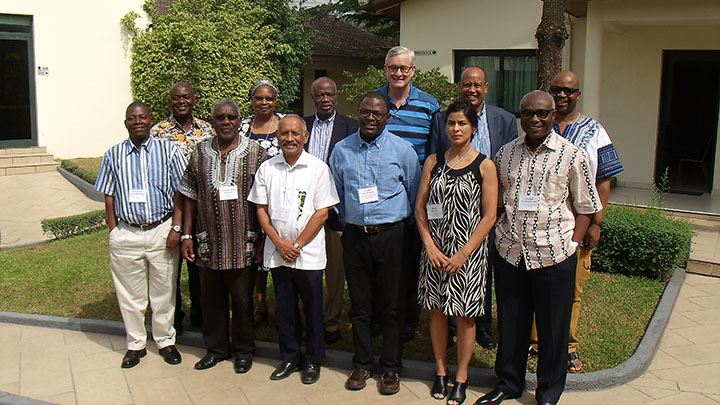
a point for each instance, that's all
(481, 140)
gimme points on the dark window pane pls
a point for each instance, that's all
(14, 90)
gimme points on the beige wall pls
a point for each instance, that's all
(81, 103)
(446, 26)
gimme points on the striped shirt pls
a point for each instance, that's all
(559, 175)
(320, 137)
(588, 134)
(412, 120)
(151, 173)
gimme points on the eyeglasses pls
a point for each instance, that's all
(529, 114)
(367, 113)
(394, 68)
(221, 118)
(569, 91)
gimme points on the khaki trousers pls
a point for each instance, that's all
(582, 273)
(143, 270)
(334, 280)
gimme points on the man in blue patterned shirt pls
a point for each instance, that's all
(140, 177)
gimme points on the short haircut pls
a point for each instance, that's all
(400, 50)
(536, 93)
(137, 103)
(224, 101)
(304, 124)
(312, 86)
(377, 96)
(260, 83)
(466, 108)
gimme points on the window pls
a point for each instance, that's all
(511, 74)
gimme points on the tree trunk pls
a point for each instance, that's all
(550, 35)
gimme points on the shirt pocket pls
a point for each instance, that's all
(554, 189)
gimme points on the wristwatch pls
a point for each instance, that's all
(186, 236)
(296, 245)
(176, 228)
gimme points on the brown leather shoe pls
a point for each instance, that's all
(389, 383)
(357, 379)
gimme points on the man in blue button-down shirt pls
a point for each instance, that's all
(376, 175)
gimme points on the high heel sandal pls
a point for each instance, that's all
(440, 387)
(457, 396)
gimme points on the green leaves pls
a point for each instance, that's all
(220, 47)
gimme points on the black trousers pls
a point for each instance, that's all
(307, 285)
(194, 287)
(217, 286)
(373, 269)
(411, 268)
(548, 293)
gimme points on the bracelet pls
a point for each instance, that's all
(185, 236)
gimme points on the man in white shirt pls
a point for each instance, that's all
(293, 192)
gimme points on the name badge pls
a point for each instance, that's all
(368, 194)
(138, 196)
(529, 202)
(280, 214)
(434, 211)
(227, 193)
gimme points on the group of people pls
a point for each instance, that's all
(412, 206)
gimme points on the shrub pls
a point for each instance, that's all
(65, 227)
(643, 243)
(430, 81)
(78, 171)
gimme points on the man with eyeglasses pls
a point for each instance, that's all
(185, 131)
(328, 127)
(411, 116)
(586, 133)
(496, 127)
(376, 175)
(547, 198)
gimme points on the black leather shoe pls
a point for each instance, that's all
(389, 383)
(132, 358)
(171, 355)
(332, 337)
(208, 361)
(546, 403)
(310, 373)
(494, 397)
(484, 339)
(283, 371)
(242, 366)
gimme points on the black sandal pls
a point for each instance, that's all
(457, 396)
(440, 387)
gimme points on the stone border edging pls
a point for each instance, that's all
(82, 185)
(632, 368)
(12, 399)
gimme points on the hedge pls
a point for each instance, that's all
(65, 227)
(78, 171)
(645, 243)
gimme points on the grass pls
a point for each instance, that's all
(91, 164)
(72, 278)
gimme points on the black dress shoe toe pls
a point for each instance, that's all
(486, 340)
(494, 397)
(171, 355)
(208, 361)
(283, 371)
(546, 403)
(310, 373)
(132, 358)
(242, 366)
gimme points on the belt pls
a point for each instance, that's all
(373, 229)
(146, 227)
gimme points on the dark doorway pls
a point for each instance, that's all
(17, 87)
(688, 124)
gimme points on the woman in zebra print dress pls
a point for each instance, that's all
(455, 211)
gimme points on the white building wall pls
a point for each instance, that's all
(81, 103)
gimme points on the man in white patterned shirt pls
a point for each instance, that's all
(547, 197)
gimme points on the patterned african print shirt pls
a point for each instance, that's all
(539, 191)
(171, 130)
(588, 134)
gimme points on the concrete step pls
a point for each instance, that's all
(26, 160)
(705, 254)
(30, 149)
(29, 168)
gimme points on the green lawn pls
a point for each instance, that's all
(72, 278)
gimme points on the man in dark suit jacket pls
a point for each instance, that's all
(327, 127)
(496, 127)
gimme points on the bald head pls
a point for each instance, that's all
(566, 77)
(182, 101)
(565, 90)
(473, 86)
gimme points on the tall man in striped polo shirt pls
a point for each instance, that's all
(411, 115)
(140, 177)
(547, 197)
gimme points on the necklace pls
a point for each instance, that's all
(447, 160)
(272, 121)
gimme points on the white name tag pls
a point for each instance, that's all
(280, 214)
(368, 194)
(138, 196)
(228, 193)
(434, 211)
(529, 202)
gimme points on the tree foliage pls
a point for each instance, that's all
(220, 47)
(349, 11)
(431, 81)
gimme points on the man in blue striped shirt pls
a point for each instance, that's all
(411, 115)
(140, 177)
